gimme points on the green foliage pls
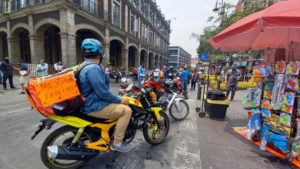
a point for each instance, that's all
(227, 18)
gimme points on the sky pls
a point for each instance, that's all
(188, 16)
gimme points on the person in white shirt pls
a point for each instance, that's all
(42, 69)
(107, 72)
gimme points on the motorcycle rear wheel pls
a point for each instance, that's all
(164, 129)
(55, 164)
(179, 115)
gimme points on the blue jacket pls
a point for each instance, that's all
(140, 71)
(185, 75)
(94, 87)
(166, 72)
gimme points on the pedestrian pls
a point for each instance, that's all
(185, 78)
(24, 71)
(7, 69)
(249, 74)
(135, 76)
(195, 77)
(141, 74)
(42, 69)
(166, 71)
(107, 73)
(0, 74)
(58, 67)
(231, 78)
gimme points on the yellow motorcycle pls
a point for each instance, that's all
(83, 137)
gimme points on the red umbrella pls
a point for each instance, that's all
(274, 27)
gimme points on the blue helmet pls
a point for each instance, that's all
(92, 47)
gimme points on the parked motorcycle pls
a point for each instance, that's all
(83, 137)
(161, 94)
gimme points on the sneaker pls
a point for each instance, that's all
(22, 92)
(13, 87)
(232, 100)
(5, 88)
(124, 148)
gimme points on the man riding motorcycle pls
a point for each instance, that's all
(100, 102)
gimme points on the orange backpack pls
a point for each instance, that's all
(56, 94)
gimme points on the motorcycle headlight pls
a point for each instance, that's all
(143, 91)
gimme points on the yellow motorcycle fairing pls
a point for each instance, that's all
(71, 121)
(102, 144)
(133, 101)
(156, 111)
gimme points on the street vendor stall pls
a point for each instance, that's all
(275, 120)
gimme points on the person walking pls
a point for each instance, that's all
(24, 71)
(141, 74)
(42, 69)
(7, 69)
(58, 67)
(107, 73)
(195, 77)
(185, 78)
(231, 79)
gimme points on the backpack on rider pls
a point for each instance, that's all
(56, 94)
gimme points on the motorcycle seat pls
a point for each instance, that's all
(90, 118)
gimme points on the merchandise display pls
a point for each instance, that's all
(277, 111)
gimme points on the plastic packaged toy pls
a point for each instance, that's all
(285, 119)
(266, 113)
(269, 70)
(293, 68)
(288, 102)
(280, 67)
(268, 94)
(292, 83)
(257, 93)
(266, 104)
(278, 91)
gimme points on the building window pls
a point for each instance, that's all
(173, 52)
(90, 5)
(116, 14)
(2, 7)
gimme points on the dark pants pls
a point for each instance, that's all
(193, 85)
(232, 88)
(9, 76)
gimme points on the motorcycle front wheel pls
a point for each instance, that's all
(155, 134)
(180, 110)
(63, 136)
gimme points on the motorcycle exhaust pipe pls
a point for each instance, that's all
(63, 153)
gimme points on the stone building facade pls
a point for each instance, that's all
(131, 31)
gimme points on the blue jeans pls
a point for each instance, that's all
(185, 85)
(140, 82)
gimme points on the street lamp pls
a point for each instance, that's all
(218, 3)
(221, 5)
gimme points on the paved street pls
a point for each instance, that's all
(199, 143)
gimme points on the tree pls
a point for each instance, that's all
(226, 18)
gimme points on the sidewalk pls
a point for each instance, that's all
(223, 149)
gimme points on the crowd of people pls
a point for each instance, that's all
(7, 72)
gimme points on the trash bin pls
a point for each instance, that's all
(217, 108)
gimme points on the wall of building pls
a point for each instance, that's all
(131, 31)
(178, 57)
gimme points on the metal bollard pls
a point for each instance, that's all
(199, 92)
